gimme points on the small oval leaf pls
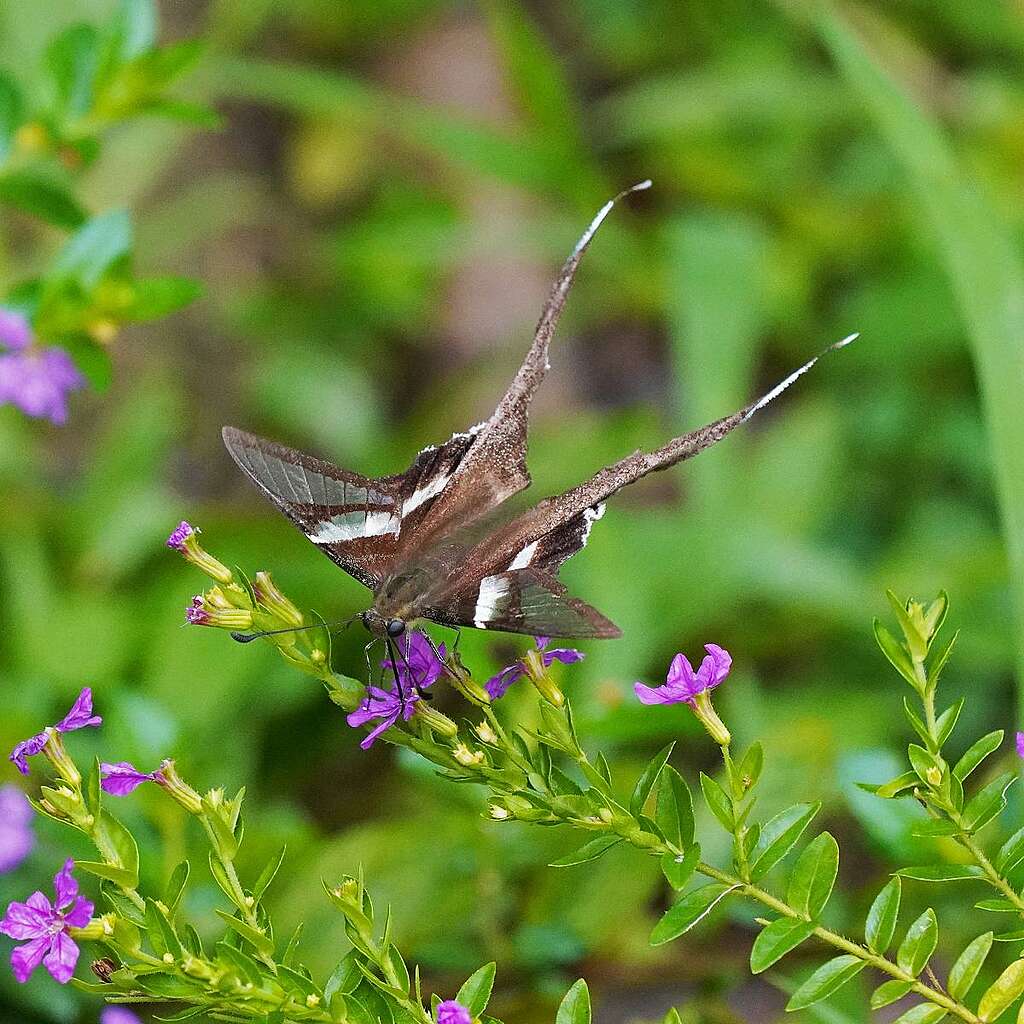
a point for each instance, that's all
(776, 940)
(778, 836)
(881, 923)
(476, 991)
(825, 980)
(919, 943)
(814, 875)
(968, 963)
(888, 992)
(1003, 991)
(691, 908)
(575, 1007)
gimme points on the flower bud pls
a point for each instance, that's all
(183, 539)
(486, 733)
(435, 720)
(56, 753)
(213, 609)
(463, 681)
(498, 813)
(537, 673)
(466, 757)
(271, 599)
(168, 777)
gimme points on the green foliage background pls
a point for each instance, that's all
(376, 226)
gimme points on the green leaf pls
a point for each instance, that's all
(814, 875)
(881, 923)
(119, 876)
(156, 297)
(749, 769)
(1003, 991)
(778, 836)
(575, 1007)
(825, 980)
(916, 643)
(717, 800)
(242, 964)
(72, 59)
(269, 873)
(688, 911)
(946, 722)
(679, 870)
(590, 850)
(894, 652)
(176, 885)
(161, 932)
(919, 943)
(894, 787)
(648, 778)
(1011, 853)
(476, 991)
(933, 828)
(89, 253)
(923, 1013)
(918, 726)
(674, 811)
(888, 992)
(939, 659)
(988, 801)
(776, 940)
(997, 905)
(942, 872)
(923, 761)
(1014, 936)
(261, 943)
(976, 753)
(135, 28)
(40, 196)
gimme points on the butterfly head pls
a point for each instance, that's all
(381, 625)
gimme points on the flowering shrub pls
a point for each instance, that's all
(542, 775)
(55, 328)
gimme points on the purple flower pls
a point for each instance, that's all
(195, 613)
(78, 717)
(180, 534)
(118, 1015)
(123, 778)
(38, 381)
(45, 927)
(1020, 744)
(451, 1012)
(497, 685)
(15, 331)
(682, 684)
(418, 669)
(16, 836)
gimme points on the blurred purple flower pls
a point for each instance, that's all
(1020, 744)
(682, 684)
(180, 534)
(45, 927)
(38, 381)
(123, 778)
(15, 330)
(451, 1012)
(498, 685)
(16, 835)
(118, 1015)
(78, 717)
(419, 669)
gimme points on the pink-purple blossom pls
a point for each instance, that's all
(36, 380)
(498, 685)
(682, 684)
(195, 613)
(111, 1014)
(16, 835)
(451, 1012)
(1020, 744)
(418, 668)
(180, 534)
(122, 778)
(78, 717)
(15, 331)
(43, 926)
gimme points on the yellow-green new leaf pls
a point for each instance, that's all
(968, 963)
(1003, 991)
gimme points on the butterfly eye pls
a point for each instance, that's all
(396, 627)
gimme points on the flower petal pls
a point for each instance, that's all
(28, 920)
(26, 749)
(656, 695)
(451, 1012)
(718, 662)
(80, 714)
(65, 885)
(1020, 744)
(123, 778)
(62, 957)
(80, 913)
(25, 959)
(566, 655)
(497, 686)
(681, 677)
(113, 1014)
(367, 741)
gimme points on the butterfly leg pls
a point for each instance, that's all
(393, 651)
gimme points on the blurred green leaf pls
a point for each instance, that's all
(37, 194)
(575, 1007)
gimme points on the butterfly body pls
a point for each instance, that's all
(425, 541)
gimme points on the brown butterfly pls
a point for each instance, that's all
(421, 540)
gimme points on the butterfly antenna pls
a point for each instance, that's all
(782, 385)
(587, 235)
(338, 627)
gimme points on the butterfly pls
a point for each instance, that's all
(425, 541)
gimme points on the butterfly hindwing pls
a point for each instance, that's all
(523, 601)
